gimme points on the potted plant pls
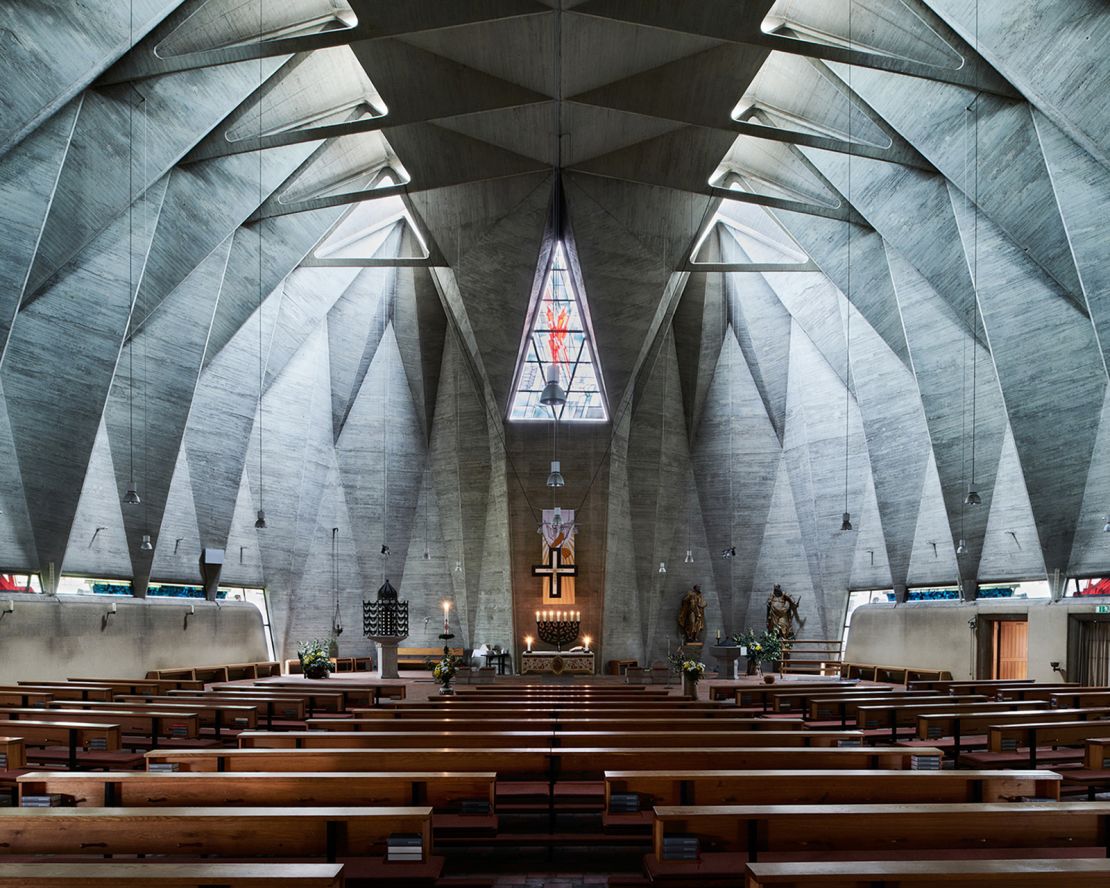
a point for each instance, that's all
(692, 672)
(444, 671)
(315, 662)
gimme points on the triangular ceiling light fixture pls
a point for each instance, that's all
(559, 335)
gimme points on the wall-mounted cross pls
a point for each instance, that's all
(554, 570)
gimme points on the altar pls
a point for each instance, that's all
(558, 662)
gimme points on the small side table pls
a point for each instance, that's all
(618, 667)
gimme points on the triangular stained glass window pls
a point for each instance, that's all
(559, 334)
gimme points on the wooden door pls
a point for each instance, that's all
(1011, 649)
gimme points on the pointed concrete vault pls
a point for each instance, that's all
(329, 283)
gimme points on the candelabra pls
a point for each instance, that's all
(558, 627)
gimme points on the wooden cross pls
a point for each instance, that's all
(554, 570)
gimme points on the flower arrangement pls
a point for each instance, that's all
(315, 662)
(445, 669)
(766, 646)
(693, 670)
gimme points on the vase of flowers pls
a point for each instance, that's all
(692, 672)
(762, 647)
(444, 671)
(315, 662)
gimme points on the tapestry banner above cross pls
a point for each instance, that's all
(558, 570)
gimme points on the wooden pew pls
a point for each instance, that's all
(1078, 698)
(729, 690)
(760, 696)
(268, 706)
(557, 712)
(75, 736)
(540, 739)
(12, 754)
(160, 684)
(210, 713)
(330, 701)
(732, 835)
(979, 686)
(444, 791)
(13, 759)
(515, 689)
(555, 724)
(357, 691)
(844, 707)
(1082, 873)
(17, 696)
(786, 699)
(115, 685)
(1031, 735)
(820, 788)
(959, 725)
(321, 833)
(66, 691)
(529, 763)
(171, 875)
(893, 716)
(181, 723)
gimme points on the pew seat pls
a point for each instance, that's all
(171, 875)
(731, 835)
(355, 836)
(1082, 873)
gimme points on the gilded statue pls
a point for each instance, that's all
(782, 611)
(691, 615)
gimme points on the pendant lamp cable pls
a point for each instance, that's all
(975, 254)
(261, 522)
(131, 274)
(848, 323)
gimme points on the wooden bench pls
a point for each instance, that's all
(286, 707)
(729, 690)
(355, 693)
(67, 691)
(75, 736)
(418, 657)
(972, 686)
(789, 700)
(1082, 873)
(315, 833)
(213, 714)
(161, 684)
(844, 707)
(541, 739)
(219, 672)
(171, 875)
(1032, 735)
(1078, 699)
(316, 699)
(830, 787)
(116, 686)
(12, 754)
(444, 791)
(555, 724)
(892, 716)
(732, 835)
(932, 726)
(178, 724)
(893, 674)
(16, 696)
(532, 762)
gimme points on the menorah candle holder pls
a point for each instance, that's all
(558, 627)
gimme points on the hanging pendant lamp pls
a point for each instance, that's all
(555, 478)
(553, 394)
(961, 549)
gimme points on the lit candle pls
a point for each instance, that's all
(446, 609)
(537, 616)
(528, 641)
(587, 640)
(718, 636)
